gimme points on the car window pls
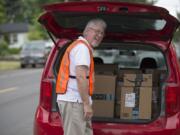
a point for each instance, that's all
(129, 58)
(34, 46)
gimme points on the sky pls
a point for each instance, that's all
(171, 5)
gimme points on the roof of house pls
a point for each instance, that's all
(13, 28)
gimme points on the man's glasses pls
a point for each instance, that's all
(99, 32)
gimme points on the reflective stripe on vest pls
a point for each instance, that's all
(63, 74)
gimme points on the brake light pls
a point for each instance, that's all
(171, 100)
(46, 94)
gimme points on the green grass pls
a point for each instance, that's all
(7, 65)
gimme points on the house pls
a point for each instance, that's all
(16, 33)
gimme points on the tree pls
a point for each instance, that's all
(2, 12)
(36, 30)
(13, 10)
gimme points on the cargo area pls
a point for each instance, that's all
(128, 83)
(129, 80)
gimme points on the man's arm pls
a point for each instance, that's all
(83, 87)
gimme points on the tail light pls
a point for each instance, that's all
(46, 94)
(171, 100)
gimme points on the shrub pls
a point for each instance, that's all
(3, 48)
(14, 50)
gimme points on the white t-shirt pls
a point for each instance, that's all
(79, 55)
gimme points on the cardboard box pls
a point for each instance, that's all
(106, 69)
(104, 96)
(158, 76)
(137, 80)
(127, 71)
(136, 102)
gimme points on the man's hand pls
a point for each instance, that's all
(88, 112)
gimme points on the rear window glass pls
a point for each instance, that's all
(118, 23)
(131, 58)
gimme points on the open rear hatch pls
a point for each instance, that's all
(125, 21)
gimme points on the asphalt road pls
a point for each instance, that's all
(19, 96)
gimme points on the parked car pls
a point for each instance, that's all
(34, 53)
(177, 48)
(135, 31)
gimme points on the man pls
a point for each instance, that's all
(75, 80)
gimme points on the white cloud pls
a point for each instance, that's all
(172, 6)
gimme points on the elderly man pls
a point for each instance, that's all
(75, 80)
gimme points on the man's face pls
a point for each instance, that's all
(95, 34)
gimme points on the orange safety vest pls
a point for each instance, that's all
(63, 74)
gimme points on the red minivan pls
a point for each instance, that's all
(137, 87)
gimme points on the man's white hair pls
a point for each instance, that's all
(97, 21)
